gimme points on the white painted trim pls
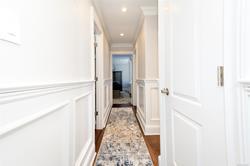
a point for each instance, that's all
(162, 29)
(99, 73)
(244, 82)
(122, 45)
(147, 129)
(235, 83)
(107, 110)
(87, 155)
(134, 89)
(29, 119)
(42, 86)
(74, 91)
(150, 125)
(138, 28)
(121, 52)
(243, 121)
(19, 93)
(229, 89)
(149, 11)
(100, 16)
(159, 160)
(152, 80)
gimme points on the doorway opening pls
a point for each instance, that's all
(122, 78)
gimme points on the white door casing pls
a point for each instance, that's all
(192, 116)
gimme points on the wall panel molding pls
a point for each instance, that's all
(18, 93)
(244, 123)
(31, 118)
(46, 114)
(148, 105)
(105, 102)
(242, 99)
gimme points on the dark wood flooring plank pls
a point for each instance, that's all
(98, 139)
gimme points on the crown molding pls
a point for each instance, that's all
(138, 28)
(116, 47)
(122, 45)
(122, 52)
(149, 11)
(101, 19)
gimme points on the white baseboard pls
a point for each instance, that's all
(148, 129)
(87, 156)
(108, 109)
(159, 160)
(152, 130)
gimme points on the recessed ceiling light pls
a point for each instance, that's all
(122, 34)
(124, 9)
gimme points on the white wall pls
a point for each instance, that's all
(46, 92)
(147, 75)
(55, 43)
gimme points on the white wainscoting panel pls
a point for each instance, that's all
(107, 100)
(148, 106)
(48, 125)
(243, 80)
(244, 124)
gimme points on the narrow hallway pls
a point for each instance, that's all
(123, 142)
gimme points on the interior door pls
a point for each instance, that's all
(192, 110)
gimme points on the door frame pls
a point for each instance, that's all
(237, 135)
(162, 9)
(230, 79)
(99, 74)
(134, 72)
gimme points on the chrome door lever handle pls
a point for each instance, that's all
(165, 91)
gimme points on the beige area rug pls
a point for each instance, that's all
(123, 143)
(124, 99)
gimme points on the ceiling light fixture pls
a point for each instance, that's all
(122, 34)
(124, 9)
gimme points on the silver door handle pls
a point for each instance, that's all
(165, 91)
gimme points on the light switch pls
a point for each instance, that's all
(9, 26)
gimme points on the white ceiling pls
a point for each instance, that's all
(117, 22)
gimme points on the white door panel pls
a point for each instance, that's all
(191, 48)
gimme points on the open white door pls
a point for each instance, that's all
(192, 114)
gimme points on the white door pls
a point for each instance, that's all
(192, 115)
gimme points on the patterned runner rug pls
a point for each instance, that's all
(123, 143)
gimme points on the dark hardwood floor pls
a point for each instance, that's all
(98, 139)
(152, 142)
(122, 105)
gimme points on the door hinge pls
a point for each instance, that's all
(96, 113)
(220, 76)
(96, 78)
(95, 44)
